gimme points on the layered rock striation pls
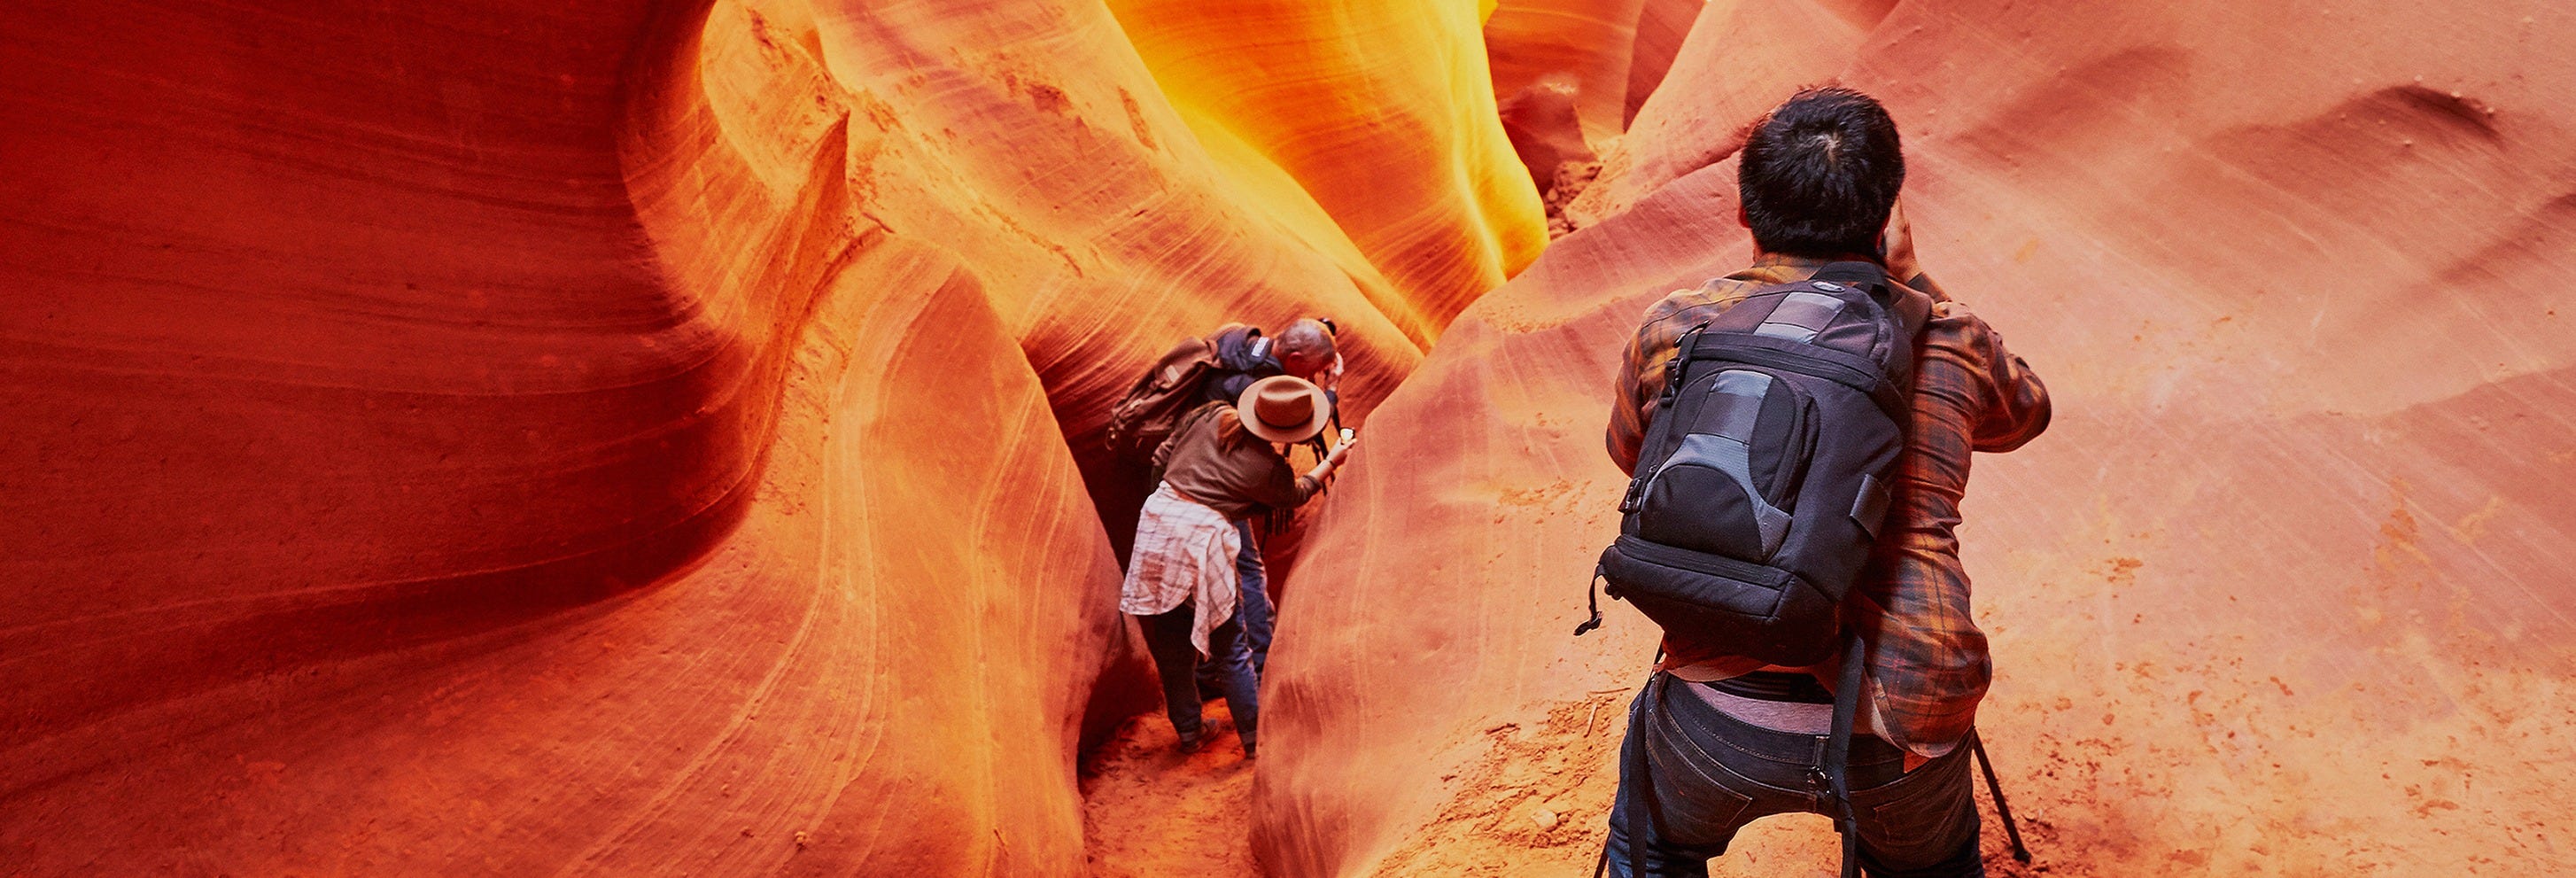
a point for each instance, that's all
(664, 436)
(2278, 593)
(636, 437)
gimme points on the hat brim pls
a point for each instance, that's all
(1299, 433)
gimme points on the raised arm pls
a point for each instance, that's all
(1630, 401)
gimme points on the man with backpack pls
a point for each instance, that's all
(1215, 371)
(1799, 435)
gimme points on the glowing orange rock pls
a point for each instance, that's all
(1610, 53)
(1741, 57)
(1398, 147)
(605, 440)
(438, 482)
(624, 437)
(1107, 222)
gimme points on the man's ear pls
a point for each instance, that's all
(1742, 218)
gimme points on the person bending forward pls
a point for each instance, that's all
(1222, 466)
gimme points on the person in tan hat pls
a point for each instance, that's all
(1305, 349)
(1224, 465)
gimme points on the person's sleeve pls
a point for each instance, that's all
(1928, 660)
(2014, 407)
(1628, 402)
(1280, 485)
(1640, 383)
(1163, 452)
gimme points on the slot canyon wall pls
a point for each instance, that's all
(636, 437)
(663, 437)
(2284, 589)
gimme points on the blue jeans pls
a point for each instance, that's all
(1167, 638)
(1253, 611)
(1712, 774)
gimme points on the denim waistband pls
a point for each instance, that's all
(1874, 761)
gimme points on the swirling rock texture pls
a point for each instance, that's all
(2282, 592)
(456, 438)
(1286, 92)
(653, 437)
(1609, 53)
(1573, 73)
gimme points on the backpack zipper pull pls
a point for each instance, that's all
(1592, 596)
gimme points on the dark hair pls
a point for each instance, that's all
(1819, 173)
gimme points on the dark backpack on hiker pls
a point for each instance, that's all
(1145, 418)
(1763, 480)
(1761, 486)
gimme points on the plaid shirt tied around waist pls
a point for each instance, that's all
(1185, 553)
(1927, 662)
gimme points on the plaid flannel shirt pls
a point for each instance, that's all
(1927, 662)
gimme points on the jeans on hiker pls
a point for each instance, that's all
(1253, 611)
(1167, 637)
(1713, 773)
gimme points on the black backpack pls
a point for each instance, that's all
(1761, 487)
(1762, 482)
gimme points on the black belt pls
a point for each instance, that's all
(1780, 686)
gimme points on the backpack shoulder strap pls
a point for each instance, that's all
(1677, 369)
(1634, 767)
(1664, 431)
(1836, 765)
(1239, 346)
(1909, 307)
(1183, 356)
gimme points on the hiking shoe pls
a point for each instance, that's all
(1247, 749)
(1190, 743)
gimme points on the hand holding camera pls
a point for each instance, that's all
(1324, 469)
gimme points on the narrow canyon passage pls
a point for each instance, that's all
(1149, 810)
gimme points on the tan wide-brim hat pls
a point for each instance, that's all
(1284, 408)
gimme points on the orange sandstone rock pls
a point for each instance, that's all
(663, 437)
(1741, 57)
(2280, 593)
(630, 438)
(1380, 111)
(436, 481)
(1609, 53)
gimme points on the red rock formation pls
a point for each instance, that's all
(1572, 75)
(1399, 149)
(1609, 53)
(1545, 131)
(1740, 57)
(474, 439)
(642, 437)
(2280, 593)
(416, 481)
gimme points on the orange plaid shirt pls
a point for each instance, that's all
(1928, 665)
